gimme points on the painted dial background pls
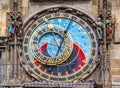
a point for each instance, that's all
(76, 32)
(53, 41)
(84, 48)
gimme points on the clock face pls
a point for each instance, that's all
(59, 47)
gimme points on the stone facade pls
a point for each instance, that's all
(4, 7)
(91, 6)
(115, 48)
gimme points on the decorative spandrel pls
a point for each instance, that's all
(60, 47)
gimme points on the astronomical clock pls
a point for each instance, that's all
(59, 44)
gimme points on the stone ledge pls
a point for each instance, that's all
(115, 62)
(115, 84)
(115, 78)
(115, 71)
(115, 51)
(115, 46)
(115, 54)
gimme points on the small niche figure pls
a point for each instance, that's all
(109, 25)
(11, 28)
(100, 28)
(18, 26)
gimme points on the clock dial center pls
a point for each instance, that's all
(52, 47)
(60, 47)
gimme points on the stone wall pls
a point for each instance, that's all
(92, 6)
(4, 6)
(31, 6)
(115, 48)
(116, 15)
(35, 5)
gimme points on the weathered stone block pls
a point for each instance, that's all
(115, 71)
(115, 78)
(115, 63)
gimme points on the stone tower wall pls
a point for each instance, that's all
(30, 6)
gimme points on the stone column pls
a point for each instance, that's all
(25, 6)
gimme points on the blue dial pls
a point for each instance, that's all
(60, 47)
(76, 31)
(56, 44)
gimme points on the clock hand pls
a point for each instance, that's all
(55, 38)
(50, 27)
(59, 47)
(68, 25)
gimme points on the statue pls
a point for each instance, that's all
(11, 27)
(109, 25)
(100, 28)
(18, 26)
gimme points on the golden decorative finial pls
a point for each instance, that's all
(50, 26)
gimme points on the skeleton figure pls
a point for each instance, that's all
(100, 28)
